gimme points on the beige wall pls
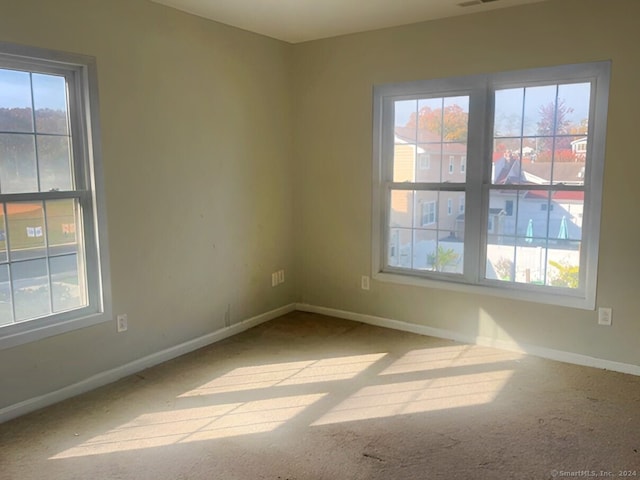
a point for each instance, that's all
(333, 82)
(197, 147)
(228, 155)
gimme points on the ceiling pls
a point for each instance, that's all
(297, 21)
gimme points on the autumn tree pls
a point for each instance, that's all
(553, 121)
(450, 123)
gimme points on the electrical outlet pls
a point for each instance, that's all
(280, 276)
(122, 322)
(364, 282)
(274, 279)
(604, 316)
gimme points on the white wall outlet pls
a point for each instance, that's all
(122, 322)
(604, 316)
(364, 282)
(280, 276)
(274, 279)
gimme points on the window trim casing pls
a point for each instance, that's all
(82, 80)
(480, 89)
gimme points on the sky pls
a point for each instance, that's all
(49, 91)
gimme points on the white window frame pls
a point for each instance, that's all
(81, 77)
(449, 207)
(451, 160)
(480, 89)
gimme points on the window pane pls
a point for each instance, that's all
(452, 156)
(430, 119)
(565, 218)
(569, 160)
(401, 212)
(500, 258)
(540, 110)
(508, 113)
(67, 289)
(16, 113)
(26, 230)
(563, 268)
(6, 307)
(400, 247)
(18, 171)
(502, 212)
(405, 125)
(31, 289)
(429, 162)
(55, 163)
(533, 218)
(426, 209)
(507, 166)
(573, 108)
(456, 119)
(436, 252)
(62, 226)
(50, 99)
(404, 162)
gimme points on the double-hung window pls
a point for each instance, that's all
(529, 195)
(53, 268)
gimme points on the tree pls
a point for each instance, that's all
(553, 121)
(566, 276)
(455, 122)
(443, 258)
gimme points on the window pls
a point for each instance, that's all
(508, 207)
(449, 206)
(428, 213)
(520, 136)
(53, 275)
(424, 161)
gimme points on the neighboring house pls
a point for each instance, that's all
(579, 148)
(535, 211)
(423, 157)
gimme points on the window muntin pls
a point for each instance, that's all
(53, 275)
(533, 138)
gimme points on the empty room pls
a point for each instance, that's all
(313, 240)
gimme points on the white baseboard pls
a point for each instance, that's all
(117, 373)
(549, 353)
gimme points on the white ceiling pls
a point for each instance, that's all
(297, 21)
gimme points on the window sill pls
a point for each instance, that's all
(508, 291)
(18, 334)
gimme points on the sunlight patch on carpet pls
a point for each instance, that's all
(420, 396)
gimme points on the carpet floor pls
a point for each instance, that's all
(310, 397)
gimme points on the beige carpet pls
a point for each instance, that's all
(308, 397)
